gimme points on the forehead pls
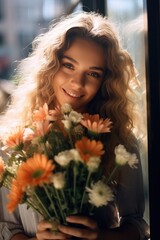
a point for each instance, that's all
(86, 51)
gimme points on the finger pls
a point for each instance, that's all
(43, 225)
(83, 220)
(78, 232)
(51, 235)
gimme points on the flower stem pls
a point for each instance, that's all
(112, 174)
(91, 209)
(74, 185)
(7, 179)
(33, 207)
(84, 192)
(74, 180)
(70, 139)
(64, 198)
(52, 204)
(24, 154)
(45, 149)
(44, 208)
(60, 207)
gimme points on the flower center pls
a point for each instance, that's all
(86, 151)
(100, 193)
(38, 173)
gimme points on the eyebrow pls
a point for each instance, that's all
(73, 60)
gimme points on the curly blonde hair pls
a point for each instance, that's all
(113, 100)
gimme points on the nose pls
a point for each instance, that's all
(78, 79)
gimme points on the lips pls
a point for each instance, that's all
(72, 93)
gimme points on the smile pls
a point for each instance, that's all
(72, 94)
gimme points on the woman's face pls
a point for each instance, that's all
(81, 72)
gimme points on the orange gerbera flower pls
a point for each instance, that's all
(55, 114)
(89, 148)
(1, 168)
(35, 171)
(15, 139)
(1, 165)
(96, 124)
(15, 196)
(42, 128)
(41, 114)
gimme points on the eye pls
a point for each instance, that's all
(95, 75)
(68, 65)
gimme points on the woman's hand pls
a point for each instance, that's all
(88, 229)
(45, 231)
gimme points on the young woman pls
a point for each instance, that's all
(80, 61)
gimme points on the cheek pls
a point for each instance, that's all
(93, 89)
(58, 80)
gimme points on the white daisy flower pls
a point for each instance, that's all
(75, 117)
(75, 155)
(64, 158)
(67, 123)
(58, 180)
(93, 163)
(72, 118)
(66, 108)
(28, 134)
(123, 157)
(133, 161)
(99, 194)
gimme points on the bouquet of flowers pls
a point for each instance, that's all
(54, 165)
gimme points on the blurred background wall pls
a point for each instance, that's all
(20, 22)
